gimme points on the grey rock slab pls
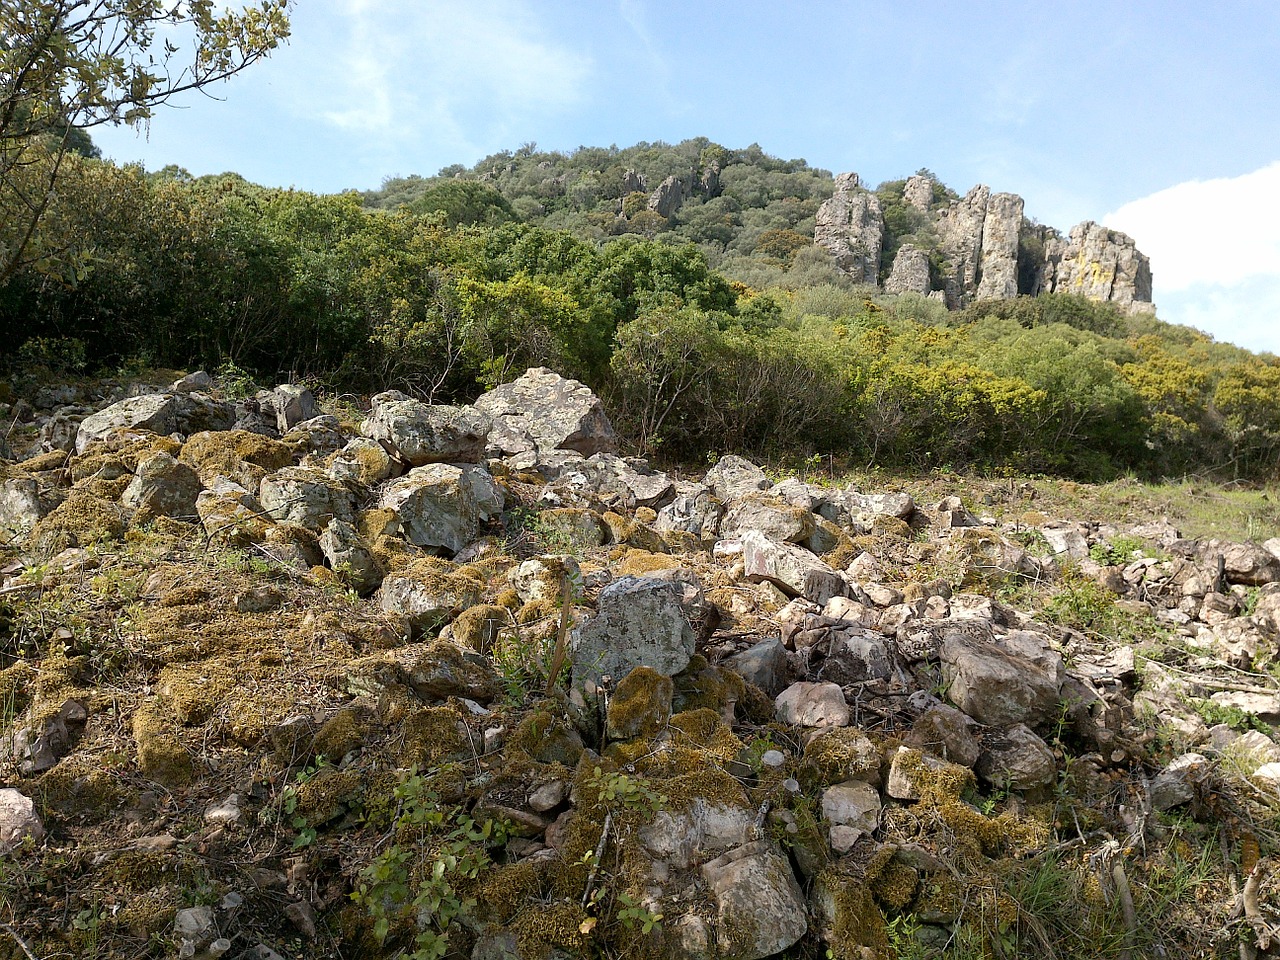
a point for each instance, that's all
(555, 411)
(789, 567)
(760, 910)
(162, 413)
(163, 486)
(18, 821)
(1015, 758)
(428, 433)
(305, 497)
(763, 664)
(770, 516)
(812, 705)
(639, 621)
(999, 684)
(20, 508)
(732, 478)
(347, 554)
(442, 505)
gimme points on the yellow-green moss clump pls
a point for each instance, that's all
(834, 756)
(237, 454)
(119, 455)
(502, 892)
(629, 562)
(433, 735)
(570, 528)
(706, 731)
(840, 555)
(345, 731)
(641, 705)
(329, 794)
(53, 460)
(854, 923)
(896, 885)
(193, 693)
(700, 685)
(161, 755)
(82, 789)
(545, 738)
(81, 519)
(634, 533)
(543, 928)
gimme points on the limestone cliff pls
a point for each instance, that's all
(851, 226)
(989, 250)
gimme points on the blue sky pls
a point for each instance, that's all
(1158, 118)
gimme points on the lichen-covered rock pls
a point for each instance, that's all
(553, 411)
(639, 621)
(441, 505)
(363, 462)
(161, 413)
(427, 433)
(20, 508)
(959, 227)
(1011, 681)
(812, 705)
(293, 404)
(732, 478)
(986, 556)
(162, 487)
(1000, 231)
(760, 910)
(1097, 263)
(1014, 758)
(305, 497)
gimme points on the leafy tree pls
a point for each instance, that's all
(69, 65)
(464, 202)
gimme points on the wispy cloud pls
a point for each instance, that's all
(1215, 251)
(464, 74)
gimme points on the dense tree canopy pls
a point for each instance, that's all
(445, 292)
(71, 65)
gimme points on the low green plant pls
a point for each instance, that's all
(1118, 550)
(419, 880)
(621, 790)
(636, 916)
(289, 798)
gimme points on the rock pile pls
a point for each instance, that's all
(713, 717)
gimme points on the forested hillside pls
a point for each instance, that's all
(719, 326)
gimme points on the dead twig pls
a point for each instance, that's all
(17, 939)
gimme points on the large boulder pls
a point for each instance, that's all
(163, 486)
(20, 508)
(305, 497)
(1013, 680)
(429, 595)
(639, 622)
(427, 433)
(760, 910)
(1100, 264)
(163, 413)
(787, 566)
(552, 411)
(733, 478)
(441, 505)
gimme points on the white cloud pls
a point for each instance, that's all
(410, 68)
(1215, 254)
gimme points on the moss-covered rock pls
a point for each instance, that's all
(640, 706)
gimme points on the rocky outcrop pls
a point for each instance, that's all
(670, 195)
(910, 273)
(990, 252)
(959, 227)
(850, 226)
(999, 260)
(1100, 264)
